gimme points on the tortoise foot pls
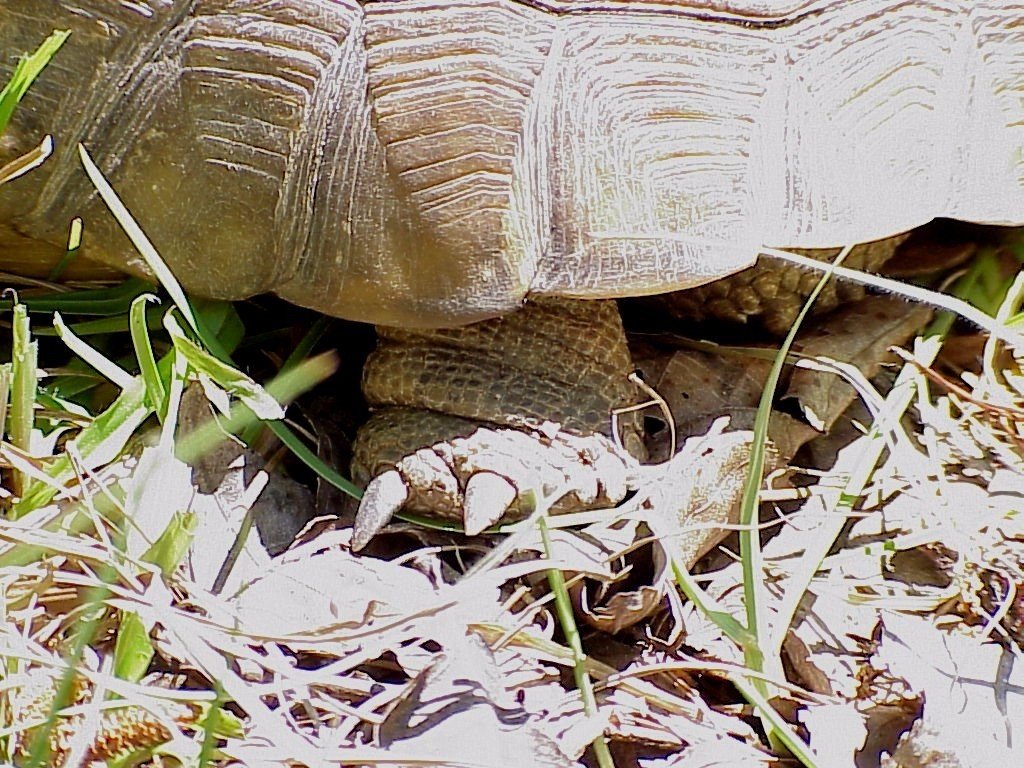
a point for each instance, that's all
(497, 474)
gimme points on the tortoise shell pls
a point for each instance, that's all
(427, 164)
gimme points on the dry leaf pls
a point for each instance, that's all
(310, 594)
(458, 711)
(860, 335)
(973, 694)
(837, 732)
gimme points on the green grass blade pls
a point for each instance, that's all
(97, 444)
(220, 319)
(5, 393)
(212, 726)
(170, 548)
(303, 453)
(24, 383)
(757, 650)
(97, 302)
(28, 69)
(71, 252)
(70, 385)
(308, 342)
(282, 431)
(105, 326)
(302, 350)
(750, 541)
(752, 692)
(226, 376)
(284, 387)
(564, 611)
(176, 369)
(133, 649)
(155, 390)
(708, 606)
(81, 639)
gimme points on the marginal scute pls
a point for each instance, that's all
(651, 182)
(451, 87)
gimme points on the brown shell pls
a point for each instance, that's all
(425, 163)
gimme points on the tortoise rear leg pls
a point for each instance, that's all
(467, 419)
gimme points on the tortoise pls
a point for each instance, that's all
(463, 173)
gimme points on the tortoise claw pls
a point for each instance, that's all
(385, 495)
(477, 479)
(488, 497)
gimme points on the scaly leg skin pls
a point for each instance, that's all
(504, 406)
(773, 293)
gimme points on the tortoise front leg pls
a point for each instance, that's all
(467, 419)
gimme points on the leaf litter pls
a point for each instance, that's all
(331, 657)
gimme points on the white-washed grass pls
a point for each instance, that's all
(1007, 333)
(96, 568)
(760, 639)
(27, 162)
(100, 442)
(752, 635)
(139, 239)
(106, 367)
(845, 484)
